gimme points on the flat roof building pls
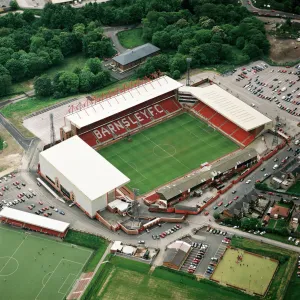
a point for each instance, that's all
(176, 254)
(81, 174)
(134, 57)
(33, 222)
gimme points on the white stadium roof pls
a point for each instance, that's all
(228, 106)
(83, 167)
(123, 101)
(25, 217)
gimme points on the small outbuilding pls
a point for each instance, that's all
(176, 254)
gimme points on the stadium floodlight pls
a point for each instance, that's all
(188, 61)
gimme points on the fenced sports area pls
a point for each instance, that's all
(169, 150)
(246, 271)
(35, 267)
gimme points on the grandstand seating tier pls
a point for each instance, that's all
(229, 127)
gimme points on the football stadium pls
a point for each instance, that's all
(147, 136)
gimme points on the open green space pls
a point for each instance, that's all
(131, 38)
(295, 188)
(169, 150)
(287, 261)
(17, 111)
(125, 279)
(251, 273)
(89, 241)
(271, 223)
(281, 224)
(293, 290)
(40, 267)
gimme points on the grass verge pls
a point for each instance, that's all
(131, 38)
(89, 241)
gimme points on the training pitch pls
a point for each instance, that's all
(253, 273)
(34, 267)
(169, 150)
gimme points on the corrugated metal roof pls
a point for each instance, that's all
(25, 217)
(134, 54)
(174, 189)
(228, 106)
(123, 101)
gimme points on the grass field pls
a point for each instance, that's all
(253, 273)
(169, 150)
(125, 279)
(287, 261)
(33, 267)
(295, 188)
(131, 38)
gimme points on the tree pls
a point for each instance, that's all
(249, 223)
(1, 143)
(240, 42)
(176, 74)
(178, 63)
(16, 69)
(14, 5)
(28, 16)
(252, 51)
(5, 81)
(65, 83)
(5, 55)
(217, 215)
(86, 80)
(94, 64)
(43, 86)
(102, 79)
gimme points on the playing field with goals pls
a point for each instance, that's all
(169, 150)
(245, 271)
(34, 267)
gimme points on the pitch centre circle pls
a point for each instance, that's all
(164, 150)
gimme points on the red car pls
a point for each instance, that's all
(191, 271)
(29, 207)
(230, 202)
(206, 213)
(19, 196)
(3, 189)
(271, 193)
(235, 198)
(17, 182)
(196, 260)
(220, 203)
(43, 209)
(40, 202)
(47, 208)
(45, 214)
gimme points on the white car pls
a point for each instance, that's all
(266, 175)
(248, 181)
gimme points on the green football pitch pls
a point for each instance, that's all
(252, 273)
(37, 268)
(169, 150)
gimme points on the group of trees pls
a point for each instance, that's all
(66, 83)
(209, 32)
(291, 6)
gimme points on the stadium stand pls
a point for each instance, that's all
(137, 117)
(207, 112)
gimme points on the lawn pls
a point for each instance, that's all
(35, 267)
(287, 261)
(271, 223)
(281, 224)
(252, 273)
(295, 188)
(17, 111)
(293, 290)
(131, 38)
(169, 150)
(125, 279)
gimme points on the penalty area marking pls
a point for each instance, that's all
(43, 280)
(9, 259)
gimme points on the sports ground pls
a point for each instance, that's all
(169, 150)
(253, 273)
(37, 268)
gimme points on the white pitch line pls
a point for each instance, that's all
(12, 256)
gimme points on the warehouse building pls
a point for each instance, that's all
(33, 222)
(176, 254)
(81, 175)
(134, 57)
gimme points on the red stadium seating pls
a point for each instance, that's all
(103, 134)
(249, 140)
(218, 120)
(170, 105)
(207, 112)
(157, 111)
(89, 138)
(240, 135)
(143, 116)
(130, 122)
(198, 106)
(229, 127)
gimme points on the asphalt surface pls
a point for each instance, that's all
(268, 12)
(21, 140)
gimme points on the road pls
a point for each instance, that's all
(268, 12)
(21, 140)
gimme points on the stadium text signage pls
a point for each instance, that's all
(131, 121)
